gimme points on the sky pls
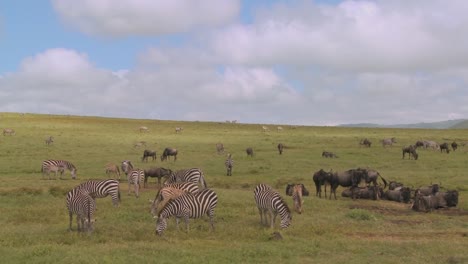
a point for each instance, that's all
(295, 62)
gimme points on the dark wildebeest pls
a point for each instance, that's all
(365, 142)
(370, 175)
(411, 150)
(249, 152)
(148, 153)
(219, 148)
(428, 190)
(393, 185)
(280, 148)
(439, 200)
(328, 154)
(169, 152)
(418, 144)
(371, 192)
(444, 146)
(349, 178)
(454, 146)
(401, 195)
(156, 173)
(320, 178)
(388, 141)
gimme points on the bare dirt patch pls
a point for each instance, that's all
(396, 209)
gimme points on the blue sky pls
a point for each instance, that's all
(285, 62)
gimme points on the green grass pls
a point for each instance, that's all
(34, 218)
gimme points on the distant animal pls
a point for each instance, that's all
(365, 142)
(154, 172)
(84, 206)
(249, 152)
(169, 152)
(371, 176)
(61, 165)
(327, 154)
(401, 195)
(112, 168)
(270, 203)
(454, 146)
(178, 129)
(219, 148)
(143, 129)
(279, 129)
(371, 192)
(188, 206)
(171, 191)
(280, 148)
(194, 175)
(419, 144)
(388, 141)
(444, 146)
(430, 144)
(49, 140)
(126, 166)
(135, 177)
(9, 132)
(139, 144)
(265, 129)
(320, 178)
(349, 178)
(411, 150)
(148, 153)
(53, 168)
(229, 163)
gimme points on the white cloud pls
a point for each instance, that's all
(145, 17)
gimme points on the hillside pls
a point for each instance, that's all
(456, 123)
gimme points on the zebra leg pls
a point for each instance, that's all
(71, 219)
(211, 215)
(137, 188)
(129, 186)
(186, 218)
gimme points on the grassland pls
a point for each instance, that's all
(34, 220)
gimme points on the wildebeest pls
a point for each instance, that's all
(439, 200)
(392, 185)
(156, 173)
(418, 144)
(428, 190)
(401, 195)
(328, 154)
(370, 175)
(280, 148)
(249, 152)
(148, 153)
(371, 192)
(349, 178)
(365, 142)
(444, 146)
(9, 132)
(454, 145)
(169, 152)
(112, 168)
(219, 148)
(320, 178)
(411, 150)
(388, 141)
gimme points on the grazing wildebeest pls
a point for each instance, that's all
(444, 146)
(454, 146)
(371, 192)
(219, 148)
(169, 152)
(156, 173)
(249, 152)
(9, 132)
(388, 141)
(349, 178)
(49, 140)
(148, 153)
(328, 154)
(112, 168)
(393, 185)
(280, 148)
(320, 178)
(402, 195)
(370, 175)
(411, 150)
(428, 190)
(365, 142)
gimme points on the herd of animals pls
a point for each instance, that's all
(185, 194)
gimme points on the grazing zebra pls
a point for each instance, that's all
(49, 140)
(270, 201)
(171, 191)
(101, 189)
(188, 206)
(53, 168)
(9, 132)
(219, 148)
(111, 168)
(297, 198)
(229, 163)
(178, 129)
(126, 166)
(84, 206)
(143, 129)
(194, 175)
(135, 177)
(62, 164)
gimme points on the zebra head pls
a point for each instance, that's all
(73, 173)
(89, 225)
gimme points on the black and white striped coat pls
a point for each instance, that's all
(84, 206)
(171, 191)
(101, 189)
(135, 177)
(188, 206)
(229, 163)
(47, 165)
(194, 175)
(270, 202)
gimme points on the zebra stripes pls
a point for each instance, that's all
(171, 191)
(84, 206)
(229, 163)
(101, 189)
(270, 201)
(135, 177)
(47, 167)
(297, 198)
(127, 166)
(188, 206)
(194, 175)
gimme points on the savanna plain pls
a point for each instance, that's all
(34, 218)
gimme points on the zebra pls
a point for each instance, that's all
(135, 177)
(178, 129)
(126, 166)
(84, 206)
(55, 169)
(188, 206)
(194, 175)
(112, 168)
(143, 129)
(9, 132)
(219, 148)
(265, 129)
(63, 164)
(269, 200)
(279, 129)
(49, 140)
(229, 163)
(297, 198)
(101, 189)
(171, 191)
